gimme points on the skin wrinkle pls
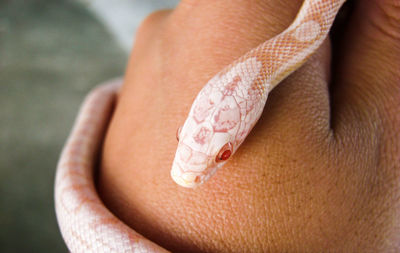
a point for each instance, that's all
(370, 95)
(391, 13)
(315, 189)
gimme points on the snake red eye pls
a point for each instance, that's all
(224, 153)
(178, 132)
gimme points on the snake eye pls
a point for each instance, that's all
(224, 153)
(178, 132)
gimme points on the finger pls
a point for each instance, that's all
(236, 26)
(212, 34)
(366, 88)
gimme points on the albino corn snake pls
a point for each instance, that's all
(221, 117)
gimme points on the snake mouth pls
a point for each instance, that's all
(186, 179)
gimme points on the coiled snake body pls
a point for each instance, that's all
(222, 115)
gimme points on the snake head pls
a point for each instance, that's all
(220, 118)
(200, 152)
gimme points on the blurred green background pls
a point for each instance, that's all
(51, 54)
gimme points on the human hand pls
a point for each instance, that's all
(320, 170)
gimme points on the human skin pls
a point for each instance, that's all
(319, 172)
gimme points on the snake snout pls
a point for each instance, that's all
(185, 179)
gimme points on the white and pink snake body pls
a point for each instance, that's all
(222, 115)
